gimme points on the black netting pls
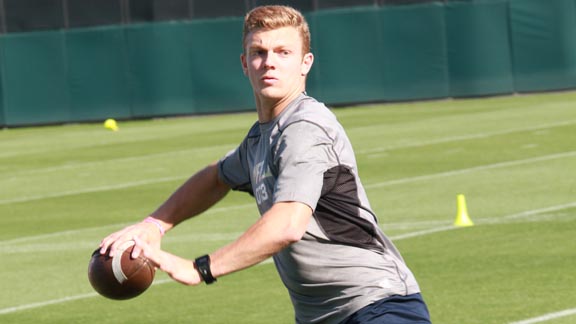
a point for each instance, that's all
(171, 10)
(325, 4)
(302, 5)
(213, 9)
(141, 10)
(29, 15)
(83, 13)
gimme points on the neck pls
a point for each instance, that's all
(269, 109)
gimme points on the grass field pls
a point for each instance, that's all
(63, 188)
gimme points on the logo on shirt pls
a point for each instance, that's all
(259, 173)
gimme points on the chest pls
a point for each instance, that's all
(263, 170)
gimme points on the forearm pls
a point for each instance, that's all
(197, 194)
(283, 225)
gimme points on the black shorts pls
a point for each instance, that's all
(396, 309)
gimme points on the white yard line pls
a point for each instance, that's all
(529, 213)
(118, 225)
(547, 317)
(93, 189)
(83, 165)
(474, 169)
(498, 220)
(45, 303)
(61, 300)
(422, 232)
(32, 238)
(464, 137)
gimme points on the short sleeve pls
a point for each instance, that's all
(232, 169)
(303, 154)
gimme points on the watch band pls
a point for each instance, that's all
(202, 264)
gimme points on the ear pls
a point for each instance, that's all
(244, 64)
(307, 61)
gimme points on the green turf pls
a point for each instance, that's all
(62, 188)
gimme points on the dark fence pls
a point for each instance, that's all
(34, 15)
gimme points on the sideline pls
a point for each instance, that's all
(547, 317)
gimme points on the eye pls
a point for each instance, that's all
(256, 52)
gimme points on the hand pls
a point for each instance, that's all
(179, 269)
(145, 231)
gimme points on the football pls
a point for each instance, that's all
(120, 277)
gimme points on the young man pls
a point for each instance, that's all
(299, 165)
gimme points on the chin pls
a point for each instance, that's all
(271, 94)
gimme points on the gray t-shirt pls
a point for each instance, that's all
(344, 261)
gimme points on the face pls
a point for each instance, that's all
(274, 63)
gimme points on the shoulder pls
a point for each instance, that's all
(307, 124)
(308, 111)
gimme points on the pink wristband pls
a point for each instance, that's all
(154, 221)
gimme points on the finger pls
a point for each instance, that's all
(137, 250)
(117, 244)
(106, 243)
(110, 242)
(103, 248)
(152, 254)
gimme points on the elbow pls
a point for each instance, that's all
(287, 222)
(291, 235)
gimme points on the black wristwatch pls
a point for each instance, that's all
(202, 264)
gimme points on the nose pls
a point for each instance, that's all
(269, 60)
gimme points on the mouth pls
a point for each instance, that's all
(268, 79)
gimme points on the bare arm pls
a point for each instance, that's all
(284, 224)
(198, 193)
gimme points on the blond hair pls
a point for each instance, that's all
(274, 17)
